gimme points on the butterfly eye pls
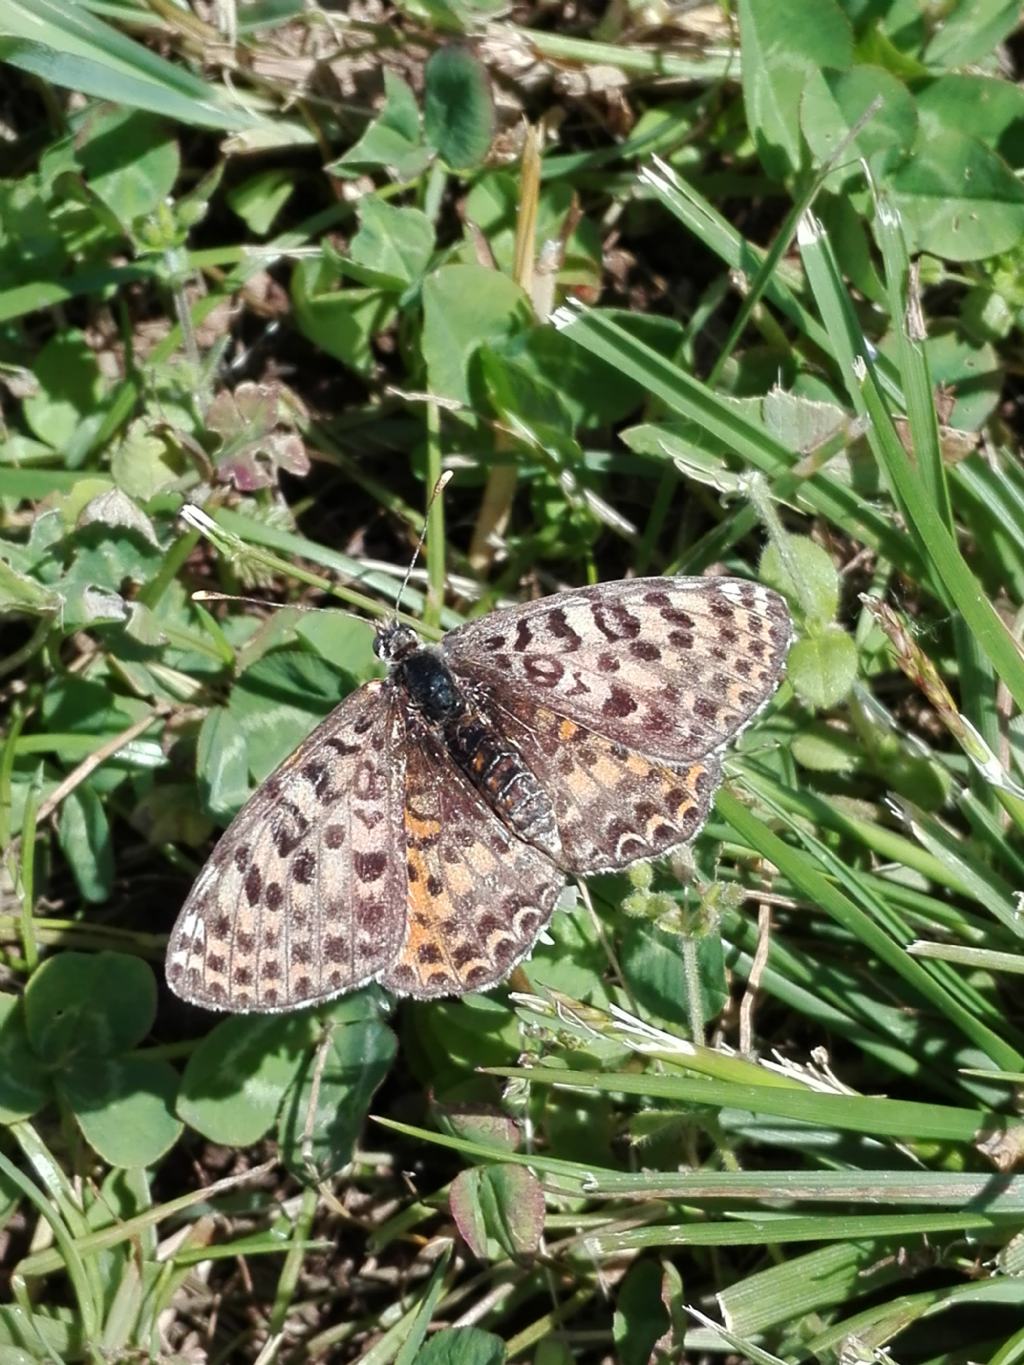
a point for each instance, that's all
(393, 642)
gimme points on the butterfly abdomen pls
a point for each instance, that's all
(499, 772)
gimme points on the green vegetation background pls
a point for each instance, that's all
(667, 291)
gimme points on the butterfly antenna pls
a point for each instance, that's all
(439, 488)
(206, 595)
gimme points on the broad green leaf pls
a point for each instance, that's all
(521, 397)
(972, 370)
(592, 392)
(84, 834)
(782, 42)
(342, 640)
(653, 967)
(985, 107)
(30, 241)
(278, 701)
(447, 1039)
(824, 750)
(143, 627)
(574, 961)
(801, 423)
(462, 1346)
(392, 140)
(88, 708)
(113, 508)
(393, 246)
(222, 763)
(145, 462)
(463, 307)
(23, 1084)
(804, 573)
(88, 1005)
(130, 162)
(259, 199)
(822, 667)
(124, 1106)
(87, 604)
(458, 110)
(958, 199)
(238, 1075)
(108, 555)
(66, 410)
(75, 499)
(833, 103)
(641, 1317)
(359, 1056)
(342, 322)
(20, 593)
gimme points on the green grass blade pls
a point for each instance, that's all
(689, 398)
(808, 878)
(948, 573)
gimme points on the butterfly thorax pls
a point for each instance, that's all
(459, 719)
(429, 684)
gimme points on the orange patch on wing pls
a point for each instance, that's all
(427, 948)
(691, 781)
(606, 772)
(566, 730)
(420, 829)
(580, 784)
(423, 929)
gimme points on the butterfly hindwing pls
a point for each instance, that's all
(613, 806)
(669, 667)
(304, 895)
(478, 896)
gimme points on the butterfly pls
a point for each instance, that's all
(422, 834)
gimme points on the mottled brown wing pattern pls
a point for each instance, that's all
(670, 667)
(403, 840)
(613, 806)
(478, 896)
(304, 895)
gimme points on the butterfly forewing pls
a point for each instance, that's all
(672, 668)
(477, 895)
(304, 895)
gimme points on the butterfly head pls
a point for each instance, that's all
(394, 642)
